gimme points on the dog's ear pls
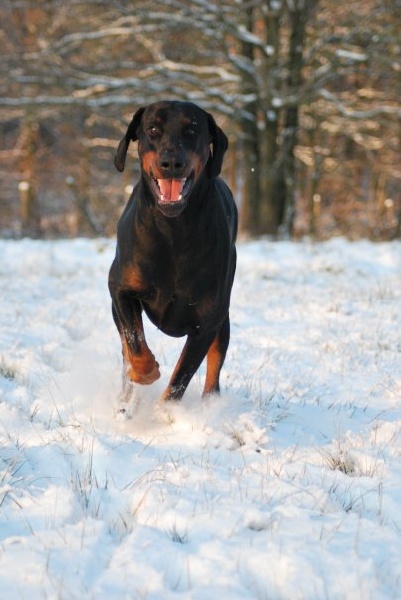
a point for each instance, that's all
(131, 134)
(219, 144)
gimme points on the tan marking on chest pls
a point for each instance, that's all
(132, 278)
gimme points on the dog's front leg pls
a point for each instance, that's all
(141, 366)
(128, 399)
(192, 355)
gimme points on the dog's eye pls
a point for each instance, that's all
(191, 131)
(153, 131)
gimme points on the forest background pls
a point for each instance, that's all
(308, 92)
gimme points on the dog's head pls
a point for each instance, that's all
(179, 143)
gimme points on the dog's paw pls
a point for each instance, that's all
(126, 409)
(164, 413)
(127, 402)
(125, 413)
(143, 370)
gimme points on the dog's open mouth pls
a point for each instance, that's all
(170, 191)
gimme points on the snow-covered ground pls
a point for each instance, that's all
(288, 486)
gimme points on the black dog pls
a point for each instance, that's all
(175, 255)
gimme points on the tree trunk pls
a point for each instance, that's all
(251, 179)
(287, 177)
(271, 198)
(250, 134)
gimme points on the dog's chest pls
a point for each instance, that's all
(178, 299)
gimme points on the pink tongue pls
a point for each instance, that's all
(170, 189)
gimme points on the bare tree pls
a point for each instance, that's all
(350, 139)
(311, 98)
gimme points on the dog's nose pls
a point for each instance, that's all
(171, 161)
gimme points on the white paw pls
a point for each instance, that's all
(128, 402)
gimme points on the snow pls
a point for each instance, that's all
(287, 486)
(277, 102)
(353, 56)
